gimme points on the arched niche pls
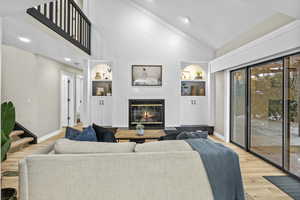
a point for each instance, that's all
(101, 72)
(193, 72)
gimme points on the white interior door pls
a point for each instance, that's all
(67, 100)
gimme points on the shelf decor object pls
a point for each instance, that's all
(146, 75)
(193, 88)
(199, 75)
(101, 88)
(98, 76)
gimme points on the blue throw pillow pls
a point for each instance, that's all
(72, 133)
(87, 134)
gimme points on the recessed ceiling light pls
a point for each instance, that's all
(68, 59)
(24, 39)
(185, 20)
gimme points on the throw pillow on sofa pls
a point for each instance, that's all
(66, 146)
(192, 135)
(104, 134)
(163, 146)
(88, 134)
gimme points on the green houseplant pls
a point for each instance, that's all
(8, 120)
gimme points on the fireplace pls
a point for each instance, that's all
(149, 112)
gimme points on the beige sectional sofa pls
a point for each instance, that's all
(167, 170)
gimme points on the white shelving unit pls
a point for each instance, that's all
(193, 104)
(101, 94)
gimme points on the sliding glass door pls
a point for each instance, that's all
(238, 107)
(293, 165)
(266, 110)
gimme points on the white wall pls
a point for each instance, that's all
(219, 103)
(132, 36)
(32, 82)
(283, 40)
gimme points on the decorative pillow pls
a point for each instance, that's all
(88, 134)
(66, 146)
(171, 135)
(163, 146)
(72, 133)
(192, 135)
(103, 134)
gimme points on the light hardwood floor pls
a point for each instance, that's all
(253, 169)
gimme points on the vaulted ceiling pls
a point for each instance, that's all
(216, 22)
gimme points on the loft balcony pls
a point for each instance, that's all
(66, 19)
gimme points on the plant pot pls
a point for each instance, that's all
(8, 194)
(140, 132)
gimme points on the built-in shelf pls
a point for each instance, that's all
(101, 76)
(193, 88)
(193, 81)
(200, 80)
(102, 88)
(102, 80)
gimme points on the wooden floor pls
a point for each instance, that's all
(253, 170)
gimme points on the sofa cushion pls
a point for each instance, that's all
(163, 146)
(65, 146)
(125, 176)
(88, 134)
(104, 134)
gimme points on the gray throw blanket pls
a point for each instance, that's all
(222, 167)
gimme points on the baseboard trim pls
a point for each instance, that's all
(218, 135)
(46, 137)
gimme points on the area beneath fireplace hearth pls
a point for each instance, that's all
(149, 112)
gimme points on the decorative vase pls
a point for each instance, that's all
(199, 76)
(98, 76)
(140, 129)
(140, 132)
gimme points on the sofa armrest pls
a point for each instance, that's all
(23, 180)
(45, 149)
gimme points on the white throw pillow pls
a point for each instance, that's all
(163, 146)
(66, 146)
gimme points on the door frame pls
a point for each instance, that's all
(246, 142)
(79, 96)
(71, 96)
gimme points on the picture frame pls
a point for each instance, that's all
(146, 75)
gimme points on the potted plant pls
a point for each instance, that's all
(140, 129)
(8, 119)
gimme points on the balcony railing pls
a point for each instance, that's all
(67, 19)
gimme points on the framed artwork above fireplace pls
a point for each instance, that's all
(146, 75)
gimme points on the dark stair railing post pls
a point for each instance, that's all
(67, 19)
